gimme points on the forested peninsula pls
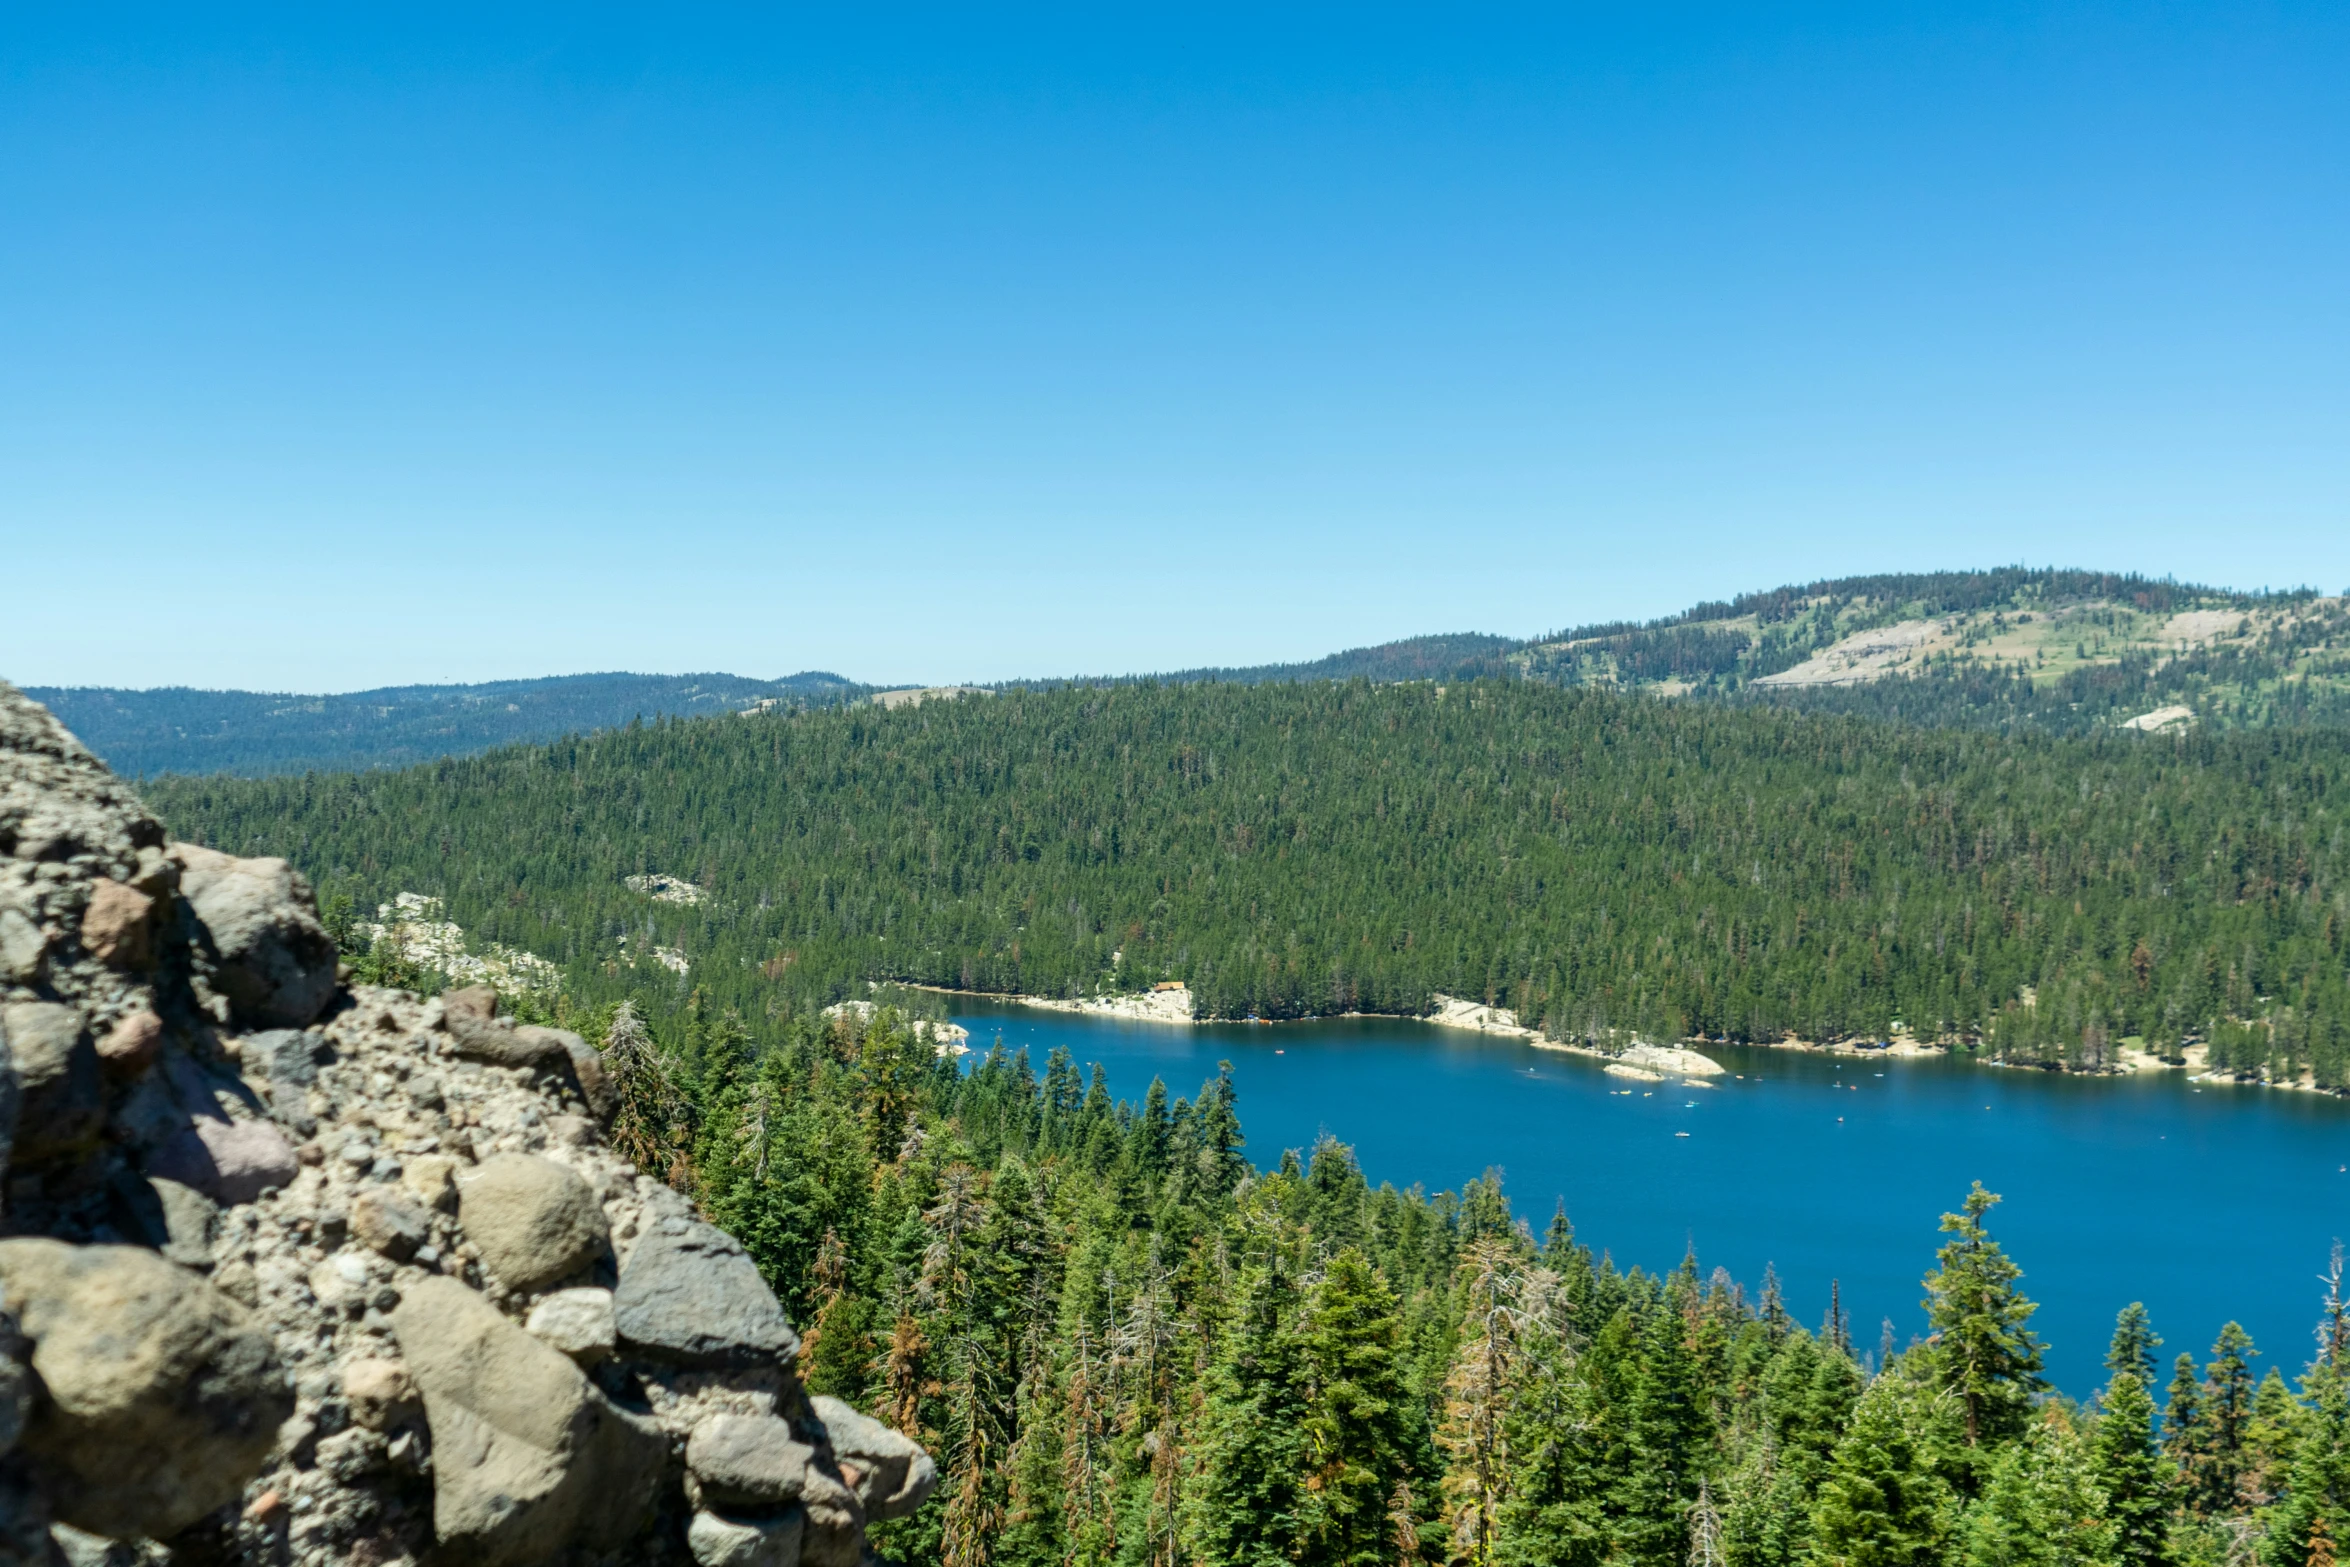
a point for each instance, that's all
(1605, 866)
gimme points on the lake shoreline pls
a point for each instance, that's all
(1649, 1062)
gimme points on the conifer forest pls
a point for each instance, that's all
(1129, 1344)
(1602, 865)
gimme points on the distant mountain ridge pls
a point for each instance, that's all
(177, 729)
(1461, 655)
(2012, 649)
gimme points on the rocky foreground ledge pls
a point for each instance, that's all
(295, 1273)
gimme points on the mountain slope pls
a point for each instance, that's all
(2011, 649)
(179, 730)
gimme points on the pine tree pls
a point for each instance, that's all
(2225, 1420)
(1248, 1503)
(1986, 1354)
(1558, 1433)
(2182, 1419)
(1884, 1501)
(1670, 1435)
(2306, 1522)
(1356, 1428)
(2134, 1344)
(2039, 1507)
(2269, 1439)
(1773, 1309)
(2129, 1472)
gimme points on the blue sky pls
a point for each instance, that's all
(981, 342)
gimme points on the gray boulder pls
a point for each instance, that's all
(283, 1055)
(471, 1017)
(528, 1457)
(24, 948)
(533, 1221)
(690, 1294)
(163, 1395)
(276, 961)
(752, 1460)
(559, 1051)
(587, 1067)
(890, 1472)
(719, 1541)
(60, 1103)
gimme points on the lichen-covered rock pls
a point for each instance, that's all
(689, 1293)
(534, 1221)
(527, 1455)
(276, 961)
(891, 1473)
(161, 1395)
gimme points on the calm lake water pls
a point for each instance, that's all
(2206, 1202)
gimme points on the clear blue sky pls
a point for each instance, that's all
(979, 342)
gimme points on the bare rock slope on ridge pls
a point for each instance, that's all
(295, 1273)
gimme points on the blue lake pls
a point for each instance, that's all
(2204, 1201)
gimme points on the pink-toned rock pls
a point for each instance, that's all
(118, 928)
(129, 1047)
(229, 1161)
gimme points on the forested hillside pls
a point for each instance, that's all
(178, 730)
(1602, 864)
(2015, 649)
(1128, 1346)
